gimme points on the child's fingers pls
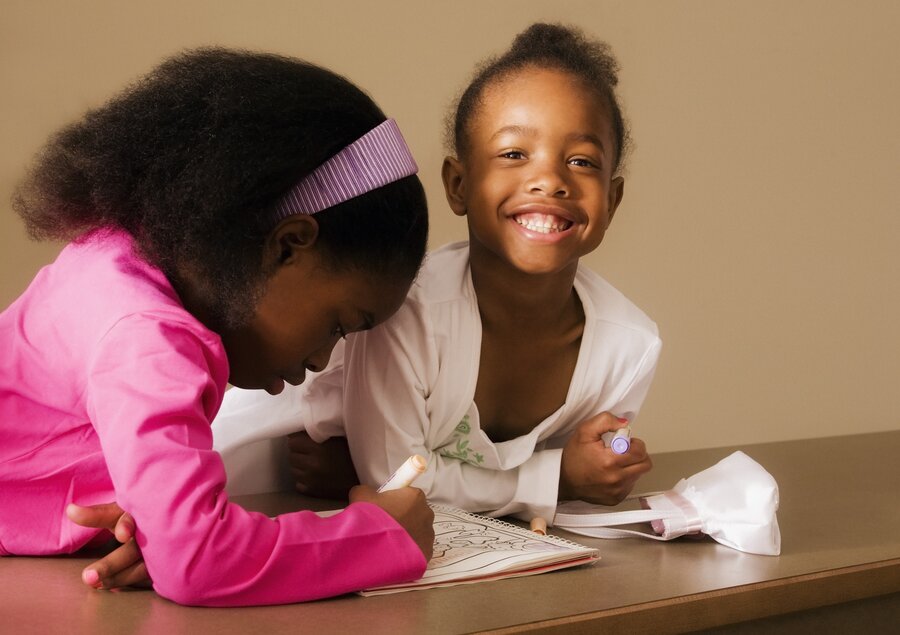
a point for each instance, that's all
(301, 443)
(113, 565)
(408, 506)
(134, 576)
(592, 429)
(304, 453)
(321, 469)
(124, 530)
(635, 468)
(103, 516)
(637, 452)
(611, 488)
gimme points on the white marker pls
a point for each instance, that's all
(619, 440)
(405, 474)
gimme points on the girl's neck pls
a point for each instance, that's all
(507, 296)
(194, 298)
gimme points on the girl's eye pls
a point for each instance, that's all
(512, 154)
(582, 162)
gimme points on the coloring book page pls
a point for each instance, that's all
(473, 548)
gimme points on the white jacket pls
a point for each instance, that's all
(408, 385)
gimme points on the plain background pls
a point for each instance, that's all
(761, 214)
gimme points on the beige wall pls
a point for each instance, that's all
(762, 209)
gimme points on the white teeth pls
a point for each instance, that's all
(542, 227)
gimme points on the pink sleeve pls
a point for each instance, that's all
(153, 389)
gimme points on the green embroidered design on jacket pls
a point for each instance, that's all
(459, 448)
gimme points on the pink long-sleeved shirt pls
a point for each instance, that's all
(107, 389)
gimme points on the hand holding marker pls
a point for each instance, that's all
(618, 440)
(405, 474)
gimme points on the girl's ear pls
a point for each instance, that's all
(292, 239)
(616, 192)
(454, 185)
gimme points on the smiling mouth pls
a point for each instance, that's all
(543, 223)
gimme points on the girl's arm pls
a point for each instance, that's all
(592, 472)
(153, 388)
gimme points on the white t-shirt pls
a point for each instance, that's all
(408, 386)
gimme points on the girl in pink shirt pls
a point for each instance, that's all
(231, 216)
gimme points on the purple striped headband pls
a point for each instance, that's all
(377, 158)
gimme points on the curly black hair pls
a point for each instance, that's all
(192, 158)
(551, 46)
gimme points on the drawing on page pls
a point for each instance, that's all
(457, 540)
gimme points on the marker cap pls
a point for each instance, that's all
(620, 445)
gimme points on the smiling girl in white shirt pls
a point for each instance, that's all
(509, 359)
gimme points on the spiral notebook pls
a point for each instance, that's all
(471, 548)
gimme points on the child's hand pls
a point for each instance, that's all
(590, 471)
(122, 567)
(323, 470)
(408, 507)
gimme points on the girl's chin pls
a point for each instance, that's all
(537, 264)
(275, 387)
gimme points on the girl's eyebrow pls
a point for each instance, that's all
(588, 138)
(527, 131)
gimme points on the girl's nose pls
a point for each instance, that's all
(548, 179)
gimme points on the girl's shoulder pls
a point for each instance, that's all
(440, 308)
(108, 280)
(109, 261)
(603, 302)
(444, 276)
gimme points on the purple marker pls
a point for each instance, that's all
(618, 441)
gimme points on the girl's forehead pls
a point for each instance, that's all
(542, 96)
(538, 82)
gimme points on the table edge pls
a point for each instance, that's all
(730, 605)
